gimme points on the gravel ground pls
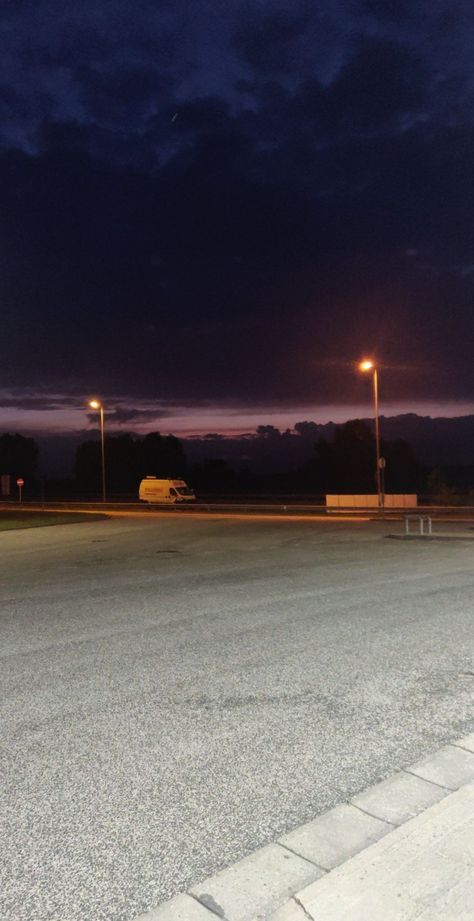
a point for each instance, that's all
(176, 693)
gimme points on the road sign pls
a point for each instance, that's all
(20, 482)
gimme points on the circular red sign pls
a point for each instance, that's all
(20, 482)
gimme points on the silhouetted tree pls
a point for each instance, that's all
(18, 456)
(438, 488)
(268, 431)
(403, 472)
(127, 461)
(347, 464)
(122, 463)
(214, 475)
(87, 467)
(162, 456)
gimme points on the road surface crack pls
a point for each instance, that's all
(296, 899)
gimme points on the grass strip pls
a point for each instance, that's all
(12, 521)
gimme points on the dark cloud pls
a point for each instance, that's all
(124, 96)
(268, 40)
(122, 415)
(122, 272)
(107, 65)
(390, 10)
(383, 81)
(245, 242)
(38, 403)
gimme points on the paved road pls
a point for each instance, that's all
(175, 693)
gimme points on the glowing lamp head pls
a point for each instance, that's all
(94, 404)
(366, 365)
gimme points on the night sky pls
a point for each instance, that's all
(209, 210)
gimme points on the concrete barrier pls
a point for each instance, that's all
(391, 500)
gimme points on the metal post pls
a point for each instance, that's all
(102, 444)
(377, 439)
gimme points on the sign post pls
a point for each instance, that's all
(382, 465)
(20, 483)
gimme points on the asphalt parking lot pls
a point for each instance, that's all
(178, 692)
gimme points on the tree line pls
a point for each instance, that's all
(19, 456)
(343, 465)
(128, 460)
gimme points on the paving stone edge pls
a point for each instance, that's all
(271, 877)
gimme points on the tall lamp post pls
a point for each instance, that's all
(365, 366)
(96, 404)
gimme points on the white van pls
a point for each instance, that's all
(164, 491)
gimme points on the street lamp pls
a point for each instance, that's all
(96, 404)
(365, 366)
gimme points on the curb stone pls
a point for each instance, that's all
(430, 538)
(265, 884)
(422, 871)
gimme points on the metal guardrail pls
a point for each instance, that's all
(293, 508)
(179, 508)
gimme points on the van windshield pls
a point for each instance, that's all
(184, 491)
